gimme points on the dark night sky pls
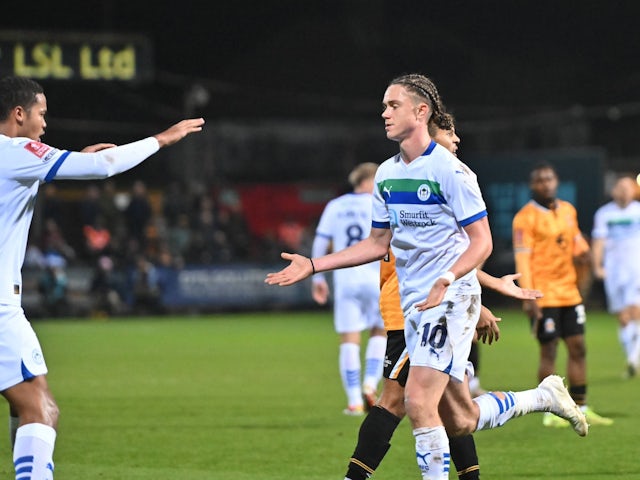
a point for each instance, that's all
(329, 58)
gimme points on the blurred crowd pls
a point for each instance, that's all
(132, 238)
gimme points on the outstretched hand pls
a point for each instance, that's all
(178, 131)
(509, 288)
(299, 269)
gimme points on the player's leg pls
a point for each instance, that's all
(14, 423)
(463, 415)
(377, 428)
(463, 448)
(474, 380)
(439, 351)
(425, 387)
(376, 346)
(374, 437)
(350, 371)
(548, 336)
(374, 362)
(348, 324)
(633, 359)
(573, 330)
(36, 435)
(23, 383)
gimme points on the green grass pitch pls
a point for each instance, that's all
(257, 396)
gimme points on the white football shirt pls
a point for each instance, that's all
(24, 165)
(345, 221)
(426, 203)
(620, 228)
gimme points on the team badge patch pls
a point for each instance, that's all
(37, 148)
(423, 192)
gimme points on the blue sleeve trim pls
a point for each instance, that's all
(386, 225)
(56, 167)
(475, 218)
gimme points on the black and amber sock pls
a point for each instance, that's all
(373, 443)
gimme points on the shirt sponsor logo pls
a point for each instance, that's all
(37, 148)
(416, 219)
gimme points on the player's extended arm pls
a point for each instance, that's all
(479, 249)
(106, 162)
(597, 250)
(372, 248)
(319, 286)
(506, 285)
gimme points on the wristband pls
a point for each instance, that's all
(313, 267)
(450, 276)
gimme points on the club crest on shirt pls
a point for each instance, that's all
(423, 192)
(37, 148)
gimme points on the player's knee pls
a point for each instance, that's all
(51, 412)
(458, 425)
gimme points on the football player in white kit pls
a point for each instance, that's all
(26, 163)
(356, 308)
(615, 247)
(428, 207)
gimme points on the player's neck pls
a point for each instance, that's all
(413, 147)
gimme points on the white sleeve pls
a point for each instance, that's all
(105, 163)
(319, 248)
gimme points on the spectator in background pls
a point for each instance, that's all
(138, 214)
(144, 287)
(53, 284)
(90, 205)
(54, 242)
(616, 260)
(51, 205)
(97, 237)
(179, 236)
(107, 288)
(175, 202)
(111, 215)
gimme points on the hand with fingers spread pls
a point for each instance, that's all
(300, 268)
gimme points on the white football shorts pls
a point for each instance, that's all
(20, 352)
(356, 308)
(441, 337)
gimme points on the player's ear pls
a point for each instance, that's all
(19, 113)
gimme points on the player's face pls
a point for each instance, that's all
(448, 139)
(544, 184)
(624, 191)
(401, 115)
(32, 122)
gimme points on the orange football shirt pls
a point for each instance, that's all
(545, 243)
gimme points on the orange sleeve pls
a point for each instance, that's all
(390, 308)
(580, 244)
(523, 246)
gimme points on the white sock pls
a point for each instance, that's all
(374, 361)
(432, 452)
(634, 353)
(627, 335)
(33, 452)
(350, 372)
(14, 422)
(496, 408)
